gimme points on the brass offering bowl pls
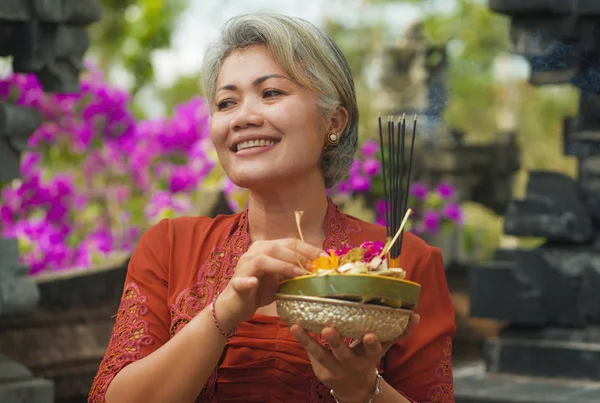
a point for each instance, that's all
(353, 304)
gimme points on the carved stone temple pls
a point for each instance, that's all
(548, 296)
(48, 38)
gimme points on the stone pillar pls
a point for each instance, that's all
(549, 350)
(48, 38)
(414, 80)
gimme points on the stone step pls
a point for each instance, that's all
(473, 385)
(30, 391)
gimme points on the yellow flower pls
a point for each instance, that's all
(331, 262)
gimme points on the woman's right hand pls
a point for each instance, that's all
(257, 276)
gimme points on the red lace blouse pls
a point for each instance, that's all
(179, 266)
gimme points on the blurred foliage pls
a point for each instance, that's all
(130, 30)
(360, 45)
(184, 88)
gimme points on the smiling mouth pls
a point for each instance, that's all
(255, 144)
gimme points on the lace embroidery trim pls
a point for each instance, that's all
(443, 392)
(213, 276)
(336, 233)
(130, 333)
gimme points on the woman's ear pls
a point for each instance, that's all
(338, 122)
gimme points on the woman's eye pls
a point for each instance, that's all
(224, 104)
(271, 93)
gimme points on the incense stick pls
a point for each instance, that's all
(396, 172)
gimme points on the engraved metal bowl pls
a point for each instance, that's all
(350, 319)
(363, 288)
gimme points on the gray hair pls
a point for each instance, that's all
(313, 61)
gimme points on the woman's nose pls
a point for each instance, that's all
(248, 115)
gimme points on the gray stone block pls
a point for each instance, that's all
(551, 210)
(10, 162)
(498, 290)
(75, 12)
(560, 274)
(552, 353)
(18, 294)
(48, 42)
(14, 10)
(9, 252)
(17, 124)
(62, 75)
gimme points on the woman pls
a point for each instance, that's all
(197, 319)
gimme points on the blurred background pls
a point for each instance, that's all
(103, 157)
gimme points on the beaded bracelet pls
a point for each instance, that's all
(214, 316)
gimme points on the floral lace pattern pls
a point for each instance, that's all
(129, 334)
(213, 276)
(443, 392)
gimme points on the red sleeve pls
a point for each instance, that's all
(142, 321)
(420, 366)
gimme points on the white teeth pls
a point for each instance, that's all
(256, 143)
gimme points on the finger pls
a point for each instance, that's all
(340, 350)
(372, 346)
(304, 249)
(315, 351)
(284, 253)
(264, 264)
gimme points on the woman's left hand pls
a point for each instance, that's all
(347, 369)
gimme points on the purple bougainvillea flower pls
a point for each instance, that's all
(453, 212)
(360, 184)
(446, 191)
(419, 191)
(371, 167)
(431, 221)
(369, 148)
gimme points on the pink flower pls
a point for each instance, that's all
(373, 249)
(419, 191)
(446, 191)
(360, 184)
(453, 212)
(369, 148)
(431, 221)
(371, 167)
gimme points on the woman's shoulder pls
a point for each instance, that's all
(192, 226)
(182, 237)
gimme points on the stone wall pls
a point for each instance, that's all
(64, 338)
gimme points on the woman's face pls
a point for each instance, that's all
(266, 129)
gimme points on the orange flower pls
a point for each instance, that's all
(331, 262)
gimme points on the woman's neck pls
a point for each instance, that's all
(271, 212)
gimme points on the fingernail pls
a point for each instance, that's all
(299, 272)
(323, 254)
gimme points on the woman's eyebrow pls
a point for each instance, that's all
(255, 83)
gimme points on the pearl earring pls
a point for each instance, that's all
(333, 139)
